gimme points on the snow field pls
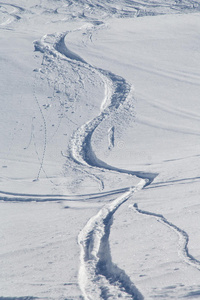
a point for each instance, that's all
(97, 104)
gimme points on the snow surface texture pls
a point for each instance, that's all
(100, 149)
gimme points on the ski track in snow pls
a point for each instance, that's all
(183, 237)
(19, 197)
(45, 137)
(99, 277)
(10, 13)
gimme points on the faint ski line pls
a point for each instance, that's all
(45, 136)
(183, 237)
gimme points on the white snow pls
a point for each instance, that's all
(99, 101)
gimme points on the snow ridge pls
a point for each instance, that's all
(183, 237)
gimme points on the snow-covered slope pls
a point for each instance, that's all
(99, 179)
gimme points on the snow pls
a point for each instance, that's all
(99, 174)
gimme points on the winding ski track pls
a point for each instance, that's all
(99, 277)
(97, 271)
(183, 237)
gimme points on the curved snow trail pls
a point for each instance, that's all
(99, 277)
(13, 15)
(104, 279)
(117, 91)
(183, 237)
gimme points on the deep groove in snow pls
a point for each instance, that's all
(98, 273)
(96, 281)
(98, 276)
